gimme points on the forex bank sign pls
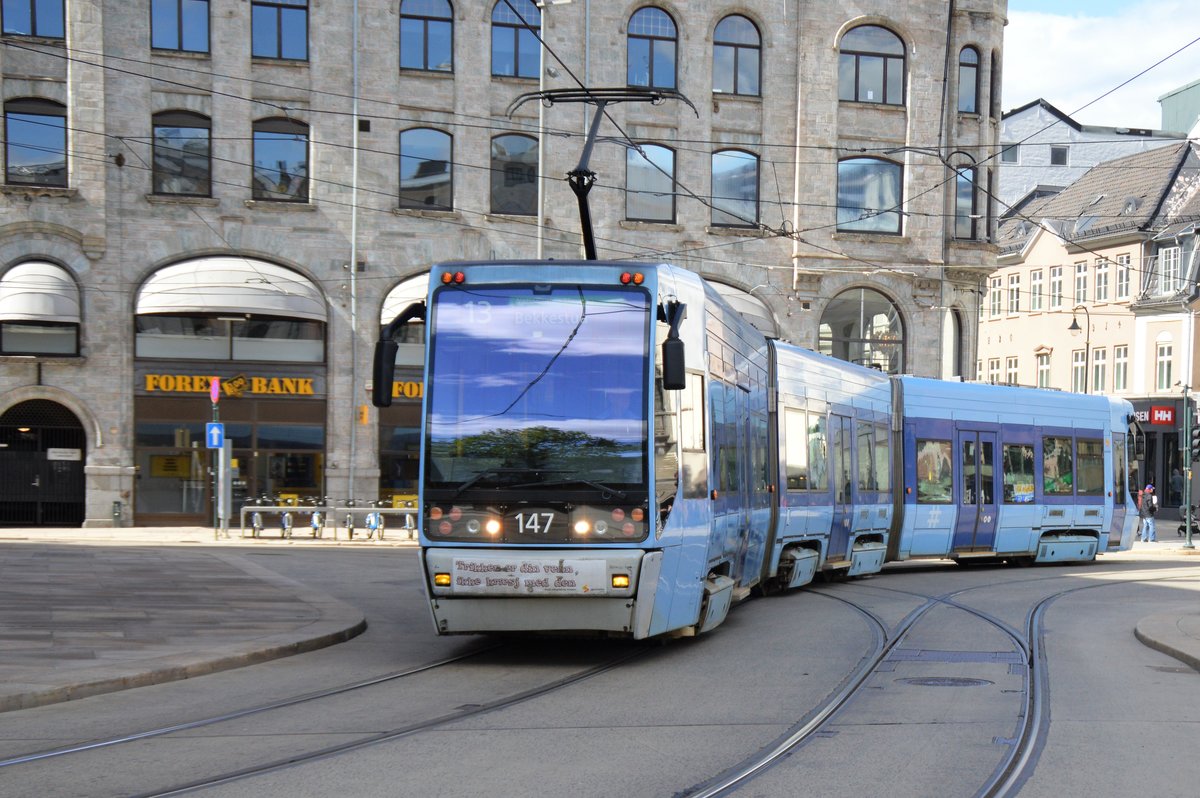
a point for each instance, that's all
(1157, 414)
(231, 387)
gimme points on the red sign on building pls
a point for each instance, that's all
(1162, 415)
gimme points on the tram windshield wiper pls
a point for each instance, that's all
(558, 483)
(487, 472)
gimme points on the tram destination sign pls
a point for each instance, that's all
(523, 576)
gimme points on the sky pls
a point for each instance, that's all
(1070, 52)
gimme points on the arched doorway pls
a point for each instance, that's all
(42, 452)
(863, 326)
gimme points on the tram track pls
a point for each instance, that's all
(1034, 717)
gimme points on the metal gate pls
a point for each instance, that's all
(42, 452)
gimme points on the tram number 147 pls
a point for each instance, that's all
(534, 523)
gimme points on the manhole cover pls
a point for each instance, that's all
(945, 681)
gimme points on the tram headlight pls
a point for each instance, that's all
(582, 526)
(601, 527)
(473, 526)
(492, 527)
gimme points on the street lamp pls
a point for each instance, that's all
(1087, 341)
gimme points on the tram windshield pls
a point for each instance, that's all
(537, 386)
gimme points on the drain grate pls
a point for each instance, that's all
(945, 681)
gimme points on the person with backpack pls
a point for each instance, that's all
(1147, 509)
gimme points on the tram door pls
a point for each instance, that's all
(842, 485)
(975, 528)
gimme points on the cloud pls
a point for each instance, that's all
(1070, 61)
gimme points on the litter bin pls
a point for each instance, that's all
(116, 513)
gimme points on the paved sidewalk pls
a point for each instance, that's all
(89, 611)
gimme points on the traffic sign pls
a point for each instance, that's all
(214, 435)
(214, 389)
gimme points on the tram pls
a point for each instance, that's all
(611, 448)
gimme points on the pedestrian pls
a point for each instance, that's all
(1147, 510)
(1176, 487)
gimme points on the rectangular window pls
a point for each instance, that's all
(978, 371)
(1010, 153)
(36, 143)
(935, 472)
(966, 216)
(1168, 269)
(1010, 371)
(1162, 367)
(818, 452)
(1081, 275)
(1018, 473)
(691, 438)
(864, 435)
(994, 297)
(1078, 371)
(1043, 370)
(42, 18)
(1101, 280)
(1035, 290)
(1014, 293)
(795, 441)
(1056, 287)
(994, 370)
(279, 29)
(1099, 370)
(179, 25)
(1058, 457)
(1122, 277)
(1058, 155)
(883, 459)
(1120, 368)
(1090, 469)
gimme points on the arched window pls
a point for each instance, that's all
(737, 52)
(516, 51)
(650, 183)
(734, 189)
(871, 65)
(863, 326)
(966, 209)
(968, 80)
(39, 310)
(426, 175)
(651, 54)
(182, 154)
(35, 143)
(514, 175)
(869, 195)
(427, 35)
(280, 160)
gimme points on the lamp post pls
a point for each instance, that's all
(1087, 341)
(1187, 470)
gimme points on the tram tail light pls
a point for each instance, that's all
(441, 580)
(620, 581)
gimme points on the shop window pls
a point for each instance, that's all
(214, 338)
(38, 338)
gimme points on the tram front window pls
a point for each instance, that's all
(538, 387)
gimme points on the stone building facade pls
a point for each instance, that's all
(186, 190)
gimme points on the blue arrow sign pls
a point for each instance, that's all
(214, 435)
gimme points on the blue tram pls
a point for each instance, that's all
(611, 448)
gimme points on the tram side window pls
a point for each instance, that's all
(1119, 468)
(818, 452)
(692, 426)
(1058, 457)
(795, 431)
(1018, 473)
(864, 435)
(883, 459)
(1090, 469)
(666, 451)
(935, 472)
